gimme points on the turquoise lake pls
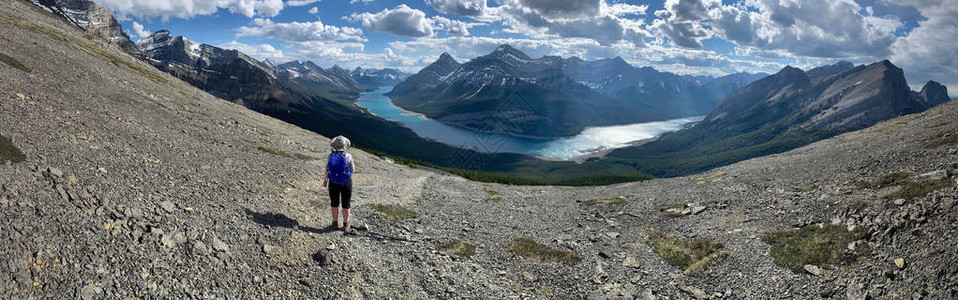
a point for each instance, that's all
(587, 142)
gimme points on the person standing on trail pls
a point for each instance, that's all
(339, 178)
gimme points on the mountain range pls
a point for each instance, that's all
(783, 111)
(556, 97)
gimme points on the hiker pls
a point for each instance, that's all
(338, 176)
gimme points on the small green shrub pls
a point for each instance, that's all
(941, 138)
(668, 210)
(885, 180)
(693, 256)
(823, 246)
(917, 189)
(10, 61)
(491, 192)
(529, 248)
(459, 247)
(392, 213)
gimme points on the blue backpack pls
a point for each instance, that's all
(338, 168)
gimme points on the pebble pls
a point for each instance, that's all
(270, 249)
(168, 206)
(200, 248)
(900, 263)
(219, 245)
(899, 201)
(696, 292)
(630, 262)
(56, 172)
(814, 270)
(528, 276)
(331, 247)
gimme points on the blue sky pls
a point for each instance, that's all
(711, 37)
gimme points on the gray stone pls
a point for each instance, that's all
(696, 209)
(695, 292)
(168, 206)
(899, 201)
(325, 257)
(56, 172)
(934, 175)
(630, 262)
(89, 292)
(528, 277)
(814, 270)
(271, 250)
(219, 245)
(646, 295)
(200, 248)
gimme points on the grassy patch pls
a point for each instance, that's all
(693, 256)
(939, 124)
(274, 152)
(10, 61)
(875, 139)
(392, 213)
(810, 188)
(889, 179)
(528, 248)
(823, 246)
(941, 138)
(459, 247)
(712, 176)
(918, 189)
(305, 157)
(9, 151)
(606, 201)
(492, 195)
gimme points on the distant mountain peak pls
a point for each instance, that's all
(832, 69)
(933, 93)
(445, 58)
(506, 51)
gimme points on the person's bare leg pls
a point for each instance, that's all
(345, 218)
(335, 211)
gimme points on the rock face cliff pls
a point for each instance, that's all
(91, 17)
(133, 184)
(933, 93)
(559, 97)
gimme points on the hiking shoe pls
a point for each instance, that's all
(346, 227)
(334, 225)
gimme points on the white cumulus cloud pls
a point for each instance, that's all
(191, 8)
(401, 20)
(139, 30)
(468, 8)
(301, 2)
(299, 31)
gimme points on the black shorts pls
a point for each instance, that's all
(339, 192)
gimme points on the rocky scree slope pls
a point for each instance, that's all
(135, 187)
(89, 16)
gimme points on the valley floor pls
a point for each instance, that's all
(137, 185)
